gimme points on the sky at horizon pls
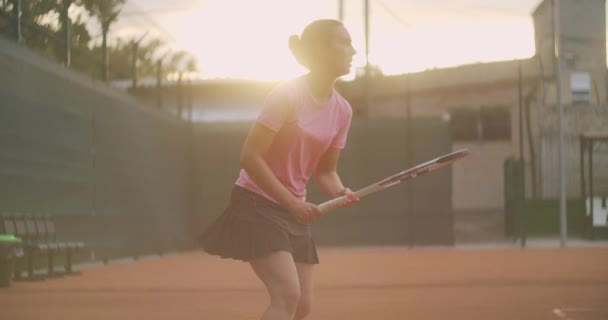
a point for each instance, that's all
(248, 39)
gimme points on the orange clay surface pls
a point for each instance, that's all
(351, 284)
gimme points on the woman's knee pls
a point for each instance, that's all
(287, 297)
(304, 307)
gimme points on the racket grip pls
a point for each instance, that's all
(333, 203)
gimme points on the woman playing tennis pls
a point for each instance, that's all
(300, 131)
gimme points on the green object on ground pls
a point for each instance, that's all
(8, 253)
(9, 238)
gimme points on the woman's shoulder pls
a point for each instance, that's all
(343, 104)
(287, 86)
(284, 92)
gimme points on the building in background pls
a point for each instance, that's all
(483, 102)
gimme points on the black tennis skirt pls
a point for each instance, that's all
(253, 226)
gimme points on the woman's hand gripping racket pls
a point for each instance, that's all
(408, 174)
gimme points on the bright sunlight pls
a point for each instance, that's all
(248, 39)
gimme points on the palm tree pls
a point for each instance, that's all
(106, 11)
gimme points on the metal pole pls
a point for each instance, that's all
(159, 80)
(67, 32)
(560, 108)
(521, 117)
(366, 8)
(367, 76)
(341, 10)
(134, 62)
(179, 95)
(134, 67)
(17, 13)
(590, 146)
(409, 159)
(105, 62)
(190, 103)
(582, 144)
(522, 192)
(159, 85)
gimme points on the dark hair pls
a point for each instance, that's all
(316, 34)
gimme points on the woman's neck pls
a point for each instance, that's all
(320, 85)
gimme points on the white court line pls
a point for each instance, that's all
(562, 313)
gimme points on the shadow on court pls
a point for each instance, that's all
(362, 283)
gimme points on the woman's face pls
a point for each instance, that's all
(336, 58)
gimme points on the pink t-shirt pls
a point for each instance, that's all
(306, 129)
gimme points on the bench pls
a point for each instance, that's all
(39, 237)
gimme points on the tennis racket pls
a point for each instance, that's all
(408, 174)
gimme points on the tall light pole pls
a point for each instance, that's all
(366, 12)
(560, 109)
(367, 76)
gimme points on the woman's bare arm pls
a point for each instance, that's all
(257, 143)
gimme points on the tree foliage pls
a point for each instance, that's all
(43, 29)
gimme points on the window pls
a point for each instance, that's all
(464, 124)
(485, 123)
(495, 124)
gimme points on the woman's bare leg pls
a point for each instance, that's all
(278, 272)
(305, 272)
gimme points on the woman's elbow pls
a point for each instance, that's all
(323, 174)
(247, 158)
(244, 159)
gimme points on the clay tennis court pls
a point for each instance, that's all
(358, 283)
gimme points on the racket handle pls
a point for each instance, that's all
(333, 203)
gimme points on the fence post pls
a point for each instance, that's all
(159, 84)
(17, 15)
(515, 223)
(65, 19)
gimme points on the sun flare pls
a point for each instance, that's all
(247, 39)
